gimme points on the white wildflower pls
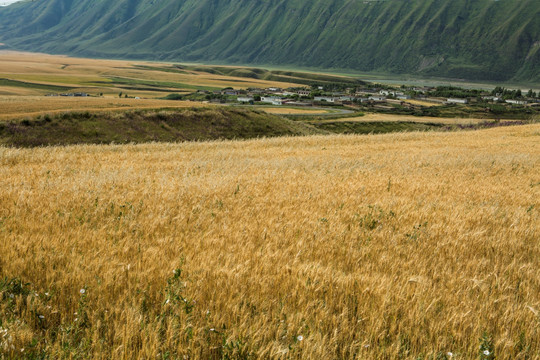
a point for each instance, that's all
(41, 317)
(300, 338)
(486, 352)
(82, 291)
(449, 354)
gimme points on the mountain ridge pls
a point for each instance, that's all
(480, 40)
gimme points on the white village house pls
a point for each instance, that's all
(516, 102)
(329, 99)
(457, 101)
(244, 99)
(272, 100)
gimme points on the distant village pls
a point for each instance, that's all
(321, 96)
(377, 97)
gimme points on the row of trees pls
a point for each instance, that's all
(512, 94)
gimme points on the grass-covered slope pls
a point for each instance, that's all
(148, 126)
(483, 39)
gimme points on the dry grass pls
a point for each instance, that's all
(422, 103)
(375, 117)
(17, 91)
(28, 106)
(401, 246)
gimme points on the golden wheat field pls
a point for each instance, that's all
(13, 107)
(402, 246)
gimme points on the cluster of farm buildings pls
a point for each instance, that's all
(318, 96)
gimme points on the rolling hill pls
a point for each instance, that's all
(478, 40)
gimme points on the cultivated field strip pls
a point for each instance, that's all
(109, 77)
(408, 246)
(17, 107)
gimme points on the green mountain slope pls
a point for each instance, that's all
(477, 40)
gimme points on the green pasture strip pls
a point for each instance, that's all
(29, 85)
(159, 84)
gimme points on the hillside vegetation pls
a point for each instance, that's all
(479, 40)
(166, 125)
(402, 246)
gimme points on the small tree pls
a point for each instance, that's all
(120, 95)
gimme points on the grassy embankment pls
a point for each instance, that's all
(165, 125)
(401, 246)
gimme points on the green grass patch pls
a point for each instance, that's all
(303, 78)
(342, 127)
(29, 85)
(158, 85)
(171, 69)
(331, 115)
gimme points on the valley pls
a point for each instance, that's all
(55, 100)
(173, 210)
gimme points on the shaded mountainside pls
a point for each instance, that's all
(476, 40)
